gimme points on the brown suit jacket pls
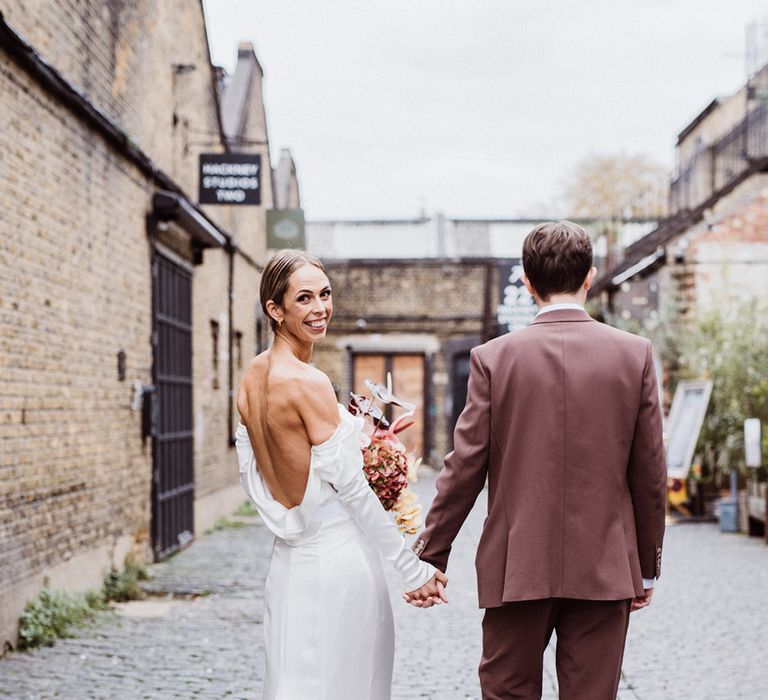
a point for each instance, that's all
(563, 419)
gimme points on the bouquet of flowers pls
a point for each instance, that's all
(386, 464)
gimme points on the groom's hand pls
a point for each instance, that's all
(431, 593)
(642, 601)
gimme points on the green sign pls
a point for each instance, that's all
(285, 228)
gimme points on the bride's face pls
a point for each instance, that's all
(307, 305)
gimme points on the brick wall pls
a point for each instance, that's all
(74, 290)
(211, 377)
(709, 267)
(127, 57)
(401, 290)
(101, 47)
(215, 460)
(729, 253)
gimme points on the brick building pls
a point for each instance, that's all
(127, 310)
(711, 255)
(417, 319)
(713, 249)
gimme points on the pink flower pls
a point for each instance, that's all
(386, 465)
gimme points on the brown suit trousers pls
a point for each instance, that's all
(563, 421)
(590, 648)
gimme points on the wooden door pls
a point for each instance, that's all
(408, 385)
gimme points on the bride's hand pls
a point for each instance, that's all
(431, 593)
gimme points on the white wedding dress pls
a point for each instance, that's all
(328, 627)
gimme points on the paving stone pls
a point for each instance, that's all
(704, 636)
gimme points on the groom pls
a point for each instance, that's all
(563, 420)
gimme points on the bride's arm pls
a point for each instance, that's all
(338, 459)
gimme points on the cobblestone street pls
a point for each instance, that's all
(704, 637)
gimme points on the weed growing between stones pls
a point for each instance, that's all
(52, 613)
(50, 616)
(224, 523)
(121, 586)
(246, 509)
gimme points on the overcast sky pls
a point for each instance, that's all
(476, 108)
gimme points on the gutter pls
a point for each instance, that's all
(171, 202)
(56, 85)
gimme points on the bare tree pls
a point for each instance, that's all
(611, 188)
(617, 186)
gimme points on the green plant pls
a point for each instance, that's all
(124, 585)
(246, 509)
(96, 600)
(49, 616)
(630, 325)
(224, 523)
(52, 613)
(730, 347)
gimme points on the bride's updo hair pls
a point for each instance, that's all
(277, 274)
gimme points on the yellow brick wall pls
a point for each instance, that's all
(75, 285)
(74, 290)
(121, 55)
(431, 301)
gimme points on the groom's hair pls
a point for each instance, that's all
(557, 255)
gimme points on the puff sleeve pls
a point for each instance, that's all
(339, 461)
(289, 524)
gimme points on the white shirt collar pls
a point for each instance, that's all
(559, 307)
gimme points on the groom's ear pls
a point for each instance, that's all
(589, 278)
(530, 287)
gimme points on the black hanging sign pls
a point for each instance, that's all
(230, 178)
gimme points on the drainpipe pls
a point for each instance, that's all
(231, 368)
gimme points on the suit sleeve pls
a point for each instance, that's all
(464, 473)
(647, 474)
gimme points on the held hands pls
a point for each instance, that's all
(642, 601)
(431, 593)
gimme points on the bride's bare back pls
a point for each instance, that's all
(286, 405)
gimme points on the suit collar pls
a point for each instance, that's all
(560, 315)
(556, 307)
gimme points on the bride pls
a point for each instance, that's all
(328, 627)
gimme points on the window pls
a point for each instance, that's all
(215, 353)
(239, 349)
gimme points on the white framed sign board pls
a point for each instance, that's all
(752, 456)
(689, 406)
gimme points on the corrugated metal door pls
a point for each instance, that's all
(408, 384)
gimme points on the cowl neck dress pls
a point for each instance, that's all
(328, 626)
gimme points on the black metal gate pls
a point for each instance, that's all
(173, 482)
